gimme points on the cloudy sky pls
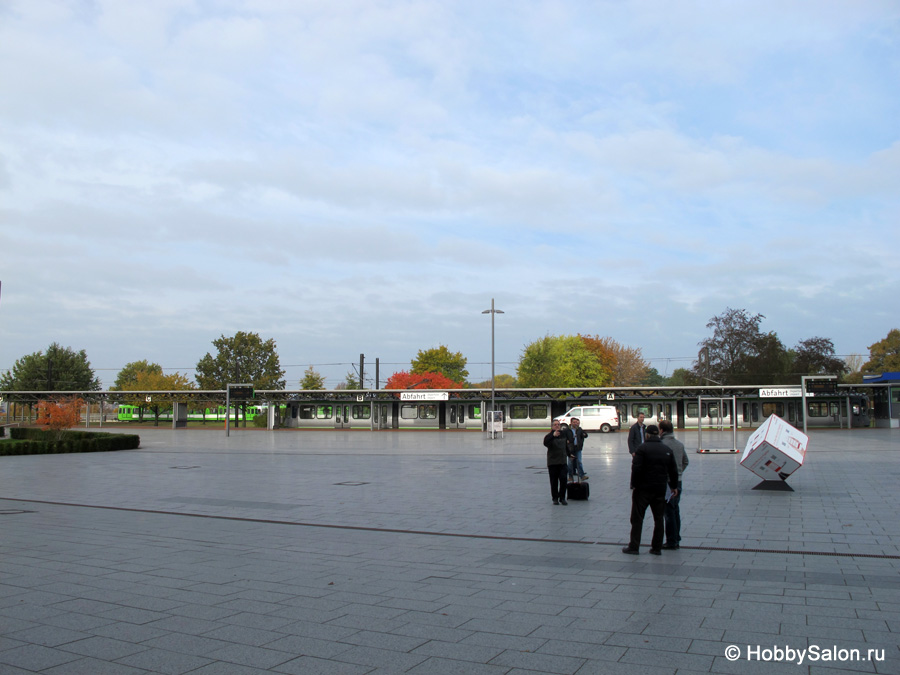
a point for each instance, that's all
(363, 176)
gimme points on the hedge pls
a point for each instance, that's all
(30, 441)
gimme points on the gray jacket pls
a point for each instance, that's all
(677, 447)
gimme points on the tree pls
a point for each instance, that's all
(723, 357)
(59, 415)
(407, 380)
(129, 373)
(815, 356)
(560, 361)
(127, 380)
(59, 369)
(312, 379)
(152, 380)
(769, 362)
(441, 360)
(603, 349)
(884, 356)
(854, 364)
(501, 381)
(242, 359)
(626, 365)
(682, 377)
(351, 381)
(652, 378)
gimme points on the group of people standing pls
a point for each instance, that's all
(657, 464)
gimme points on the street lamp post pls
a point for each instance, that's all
(492, 312)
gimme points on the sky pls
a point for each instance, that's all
(365, 176)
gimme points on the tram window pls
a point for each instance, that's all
(360, 412)
(538, 411)
(834, 407)
(773, 409)
(409, 412)
(305, 412)
(474, 411)
(324, 412)
(712, 409)
(428, 411)
(691, 409)
(817, 409)
(645, 408)
(518, 411)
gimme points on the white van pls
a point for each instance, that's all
(603, 418)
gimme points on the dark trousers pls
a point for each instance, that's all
(673, 519)
(558, 473)
(641, 498)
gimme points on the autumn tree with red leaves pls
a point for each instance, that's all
(59, 415)
(405, 380)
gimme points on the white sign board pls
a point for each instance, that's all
(775, 450)
(781, 392)
(424, 396)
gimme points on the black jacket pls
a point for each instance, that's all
(634, 436)
(577, 435)
(558, 447)
(653, 466)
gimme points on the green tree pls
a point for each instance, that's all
(652, 378)
(441, 360)
(312, 379)
(242, 359)
(560, 361)
(153, 380)
(682, 377)
(815, 356)
(351, 381)
(501, 381)
(57, 369)
(884, 356)
(129, 373)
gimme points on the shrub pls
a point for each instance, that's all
(29, 441)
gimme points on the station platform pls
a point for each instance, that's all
(440, 552)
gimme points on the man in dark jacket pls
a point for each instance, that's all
(559, 447)
(652, 468)
(578, 435)
(637, 434)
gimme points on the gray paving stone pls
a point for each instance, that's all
(439, 666)
(165, 662)
(35, 658)
(308, 665)
(90, 666)
(311, 594)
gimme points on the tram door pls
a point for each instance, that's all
(456, 415)
(342, 416)
(382, 421)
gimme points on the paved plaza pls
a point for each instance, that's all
(440, 552)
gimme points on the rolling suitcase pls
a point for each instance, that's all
(580, 489)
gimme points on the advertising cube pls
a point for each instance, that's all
(775, 450)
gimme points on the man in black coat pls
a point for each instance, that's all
(652, 468)
(559, 447)
(637, 434)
